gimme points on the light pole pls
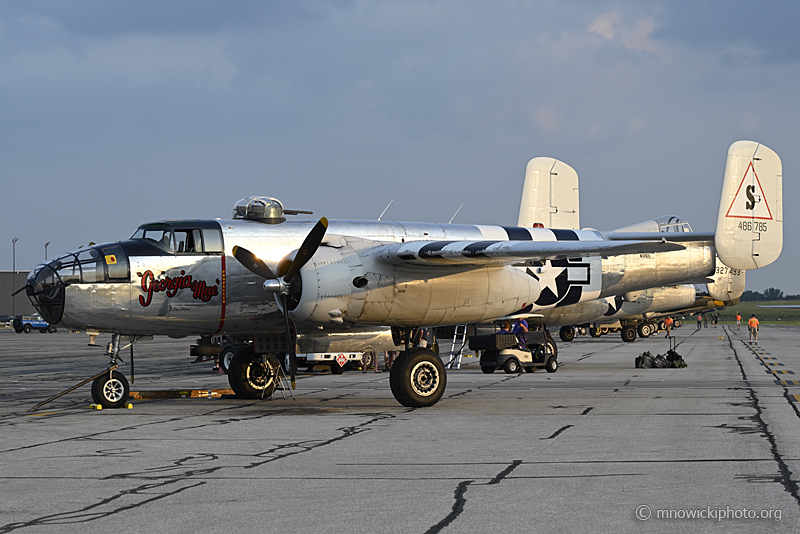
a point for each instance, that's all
(45, 250)
(14, 273)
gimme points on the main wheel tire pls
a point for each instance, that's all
(27, 329)
(567, 333)
(226, 357)
(678, 323)
(418, 378)
(249, 377)
(52, 329)
(511, 366)
(110, 390)
(336, 368)
(488, 369)
(552, 365)
(18, 330)
(628, 334)
(594, 332)
(662, 325)
(643, 330)
(582, 330)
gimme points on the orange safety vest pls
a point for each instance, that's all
(753, 322)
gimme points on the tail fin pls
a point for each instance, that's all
(749, 230)
(549, 195)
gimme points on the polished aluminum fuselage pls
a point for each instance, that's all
(200, 294)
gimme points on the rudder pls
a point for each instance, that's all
(749, 232)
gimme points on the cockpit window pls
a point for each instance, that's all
(189, 241)
(213, 240)
(159, 235)
(183, 237)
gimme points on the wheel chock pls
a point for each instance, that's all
(96, 406)
(128, 406)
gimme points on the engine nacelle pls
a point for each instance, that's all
(327, 286)
(346, 282)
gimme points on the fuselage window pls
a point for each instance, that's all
(91, 265)
(213, 240)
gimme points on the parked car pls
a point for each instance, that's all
(27, 323)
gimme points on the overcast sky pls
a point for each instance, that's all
(117, 113)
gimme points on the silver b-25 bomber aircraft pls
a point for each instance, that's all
(261, 275)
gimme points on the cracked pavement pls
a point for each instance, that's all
(576, 450)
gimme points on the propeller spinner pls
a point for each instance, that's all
(283, 285)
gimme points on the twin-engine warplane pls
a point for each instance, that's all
(261, 275)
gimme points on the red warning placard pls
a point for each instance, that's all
(750, 202)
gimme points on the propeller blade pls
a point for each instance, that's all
(252, 263)
(307, 249)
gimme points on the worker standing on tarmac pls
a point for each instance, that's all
(738, 320)
(753, 325)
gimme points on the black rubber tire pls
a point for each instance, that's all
(530, 369)
(678, 324)
(249, 377)
(111, 390)
(52, 329)
(512, 366)
(582, 330)
(643, 330)
(662, 325)
(336, 368)
(226, 357)
(628, 333)
(18, 330)
(566, 333)
(27, 329)
(488, 369)
(418, 378)
(552, 365)
(594, 332)
(43, 330)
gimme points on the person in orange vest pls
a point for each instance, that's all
(668, 321)
(738, 320)
(753, 324)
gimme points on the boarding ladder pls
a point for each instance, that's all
(457, 347)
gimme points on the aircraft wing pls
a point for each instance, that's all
(479, 253)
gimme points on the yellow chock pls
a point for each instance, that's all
(96, 406)
(128, 406)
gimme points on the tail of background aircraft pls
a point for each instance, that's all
(549, 195)
(749, 231)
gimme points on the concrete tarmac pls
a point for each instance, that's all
(598, 446)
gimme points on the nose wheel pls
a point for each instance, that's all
(110, 390)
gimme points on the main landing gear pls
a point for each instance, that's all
(253, 376)
(418, 378)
